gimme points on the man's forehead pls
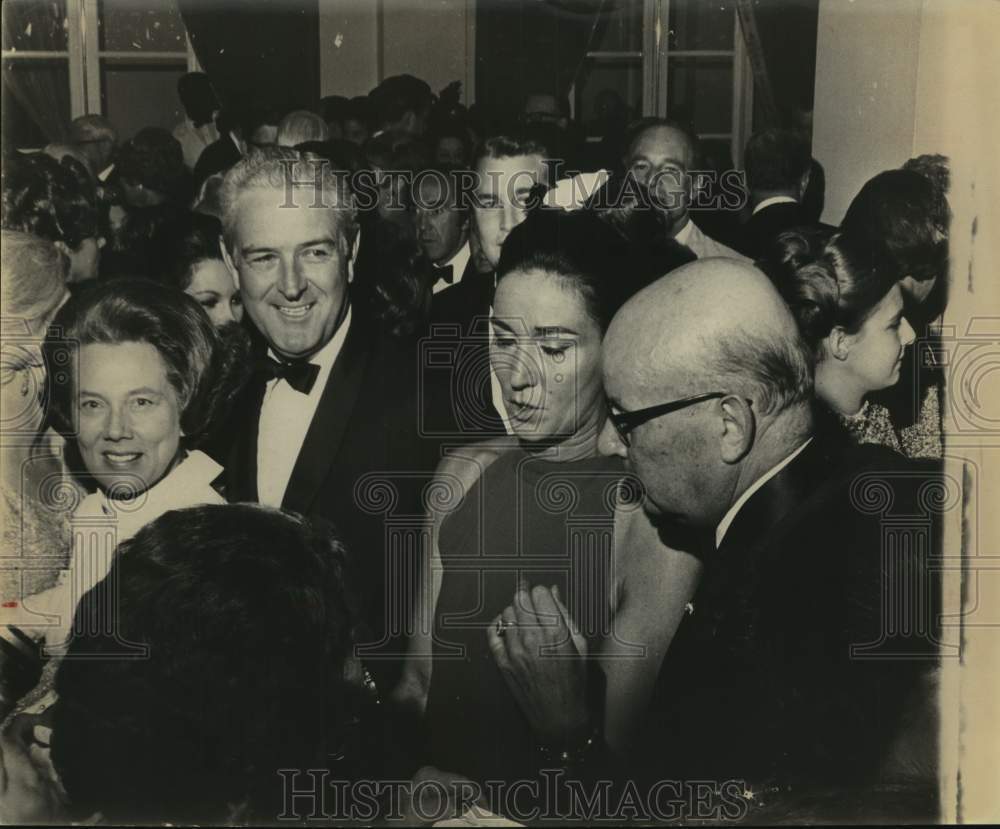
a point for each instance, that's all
(661, 142)
(498, 172)
(262, 210)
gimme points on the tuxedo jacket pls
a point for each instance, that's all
(762, 227)
(363, 464)
(799, 653)
(459, 334)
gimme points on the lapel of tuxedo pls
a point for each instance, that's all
(327, 430)
(241, 460)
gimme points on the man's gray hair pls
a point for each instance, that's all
(283, 168)
(776, 373)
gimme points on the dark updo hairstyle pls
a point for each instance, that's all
(900, 219)
(827, 281)
(630, 207)
(54, 200)
(204, 367)
(154, 159)
(180, 243)
(584, 251)
(245, 617)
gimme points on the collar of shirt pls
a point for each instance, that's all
(285, 417)
(105, 174)
(324, 358)
(728, 518)
(457, 263)
(773, 200)
(184, 486)
(685, 233)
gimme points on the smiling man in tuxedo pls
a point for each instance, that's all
(332, 401)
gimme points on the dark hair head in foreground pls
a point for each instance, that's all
(244, 614)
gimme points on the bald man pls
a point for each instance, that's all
(662, 155)
(794, 664)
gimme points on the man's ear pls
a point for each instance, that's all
(838, 343)
(739, 428)
(230, 266)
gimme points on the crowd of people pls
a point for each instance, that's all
(385, 443)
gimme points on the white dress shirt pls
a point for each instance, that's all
(728, 518)
(704, 246)
(457, 263)
(773, 200)
(285, 416)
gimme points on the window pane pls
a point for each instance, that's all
(140, 26)
(608, 91)
(137, 95)
(701, 24)
(620, 29)
(35, 102)
(700, 92)
(29, 25)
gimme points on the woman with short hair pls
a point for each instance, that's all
(146, 380)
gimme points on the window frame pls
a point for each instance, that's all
(655, 60)
(84, 57)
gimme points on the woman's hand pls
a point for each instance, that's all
(541, 654)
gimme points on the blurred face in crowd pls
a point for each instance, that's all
(355, 131)
(213, 286)
(290, 259)
(547, 356)
(85, 261)
(503, 190)
(442, 228)
(660, 158)
(542, 109)
(450, 150)
(129, 419)
(869, 359)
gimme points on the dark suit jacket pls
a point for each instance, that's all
(794, 666)
(362, 466)
(762, 227)
(459, 337)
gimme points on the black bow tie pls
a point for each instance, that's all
(300, 375)
(447, 273)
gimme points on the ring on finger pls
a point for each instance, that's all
(503, 625)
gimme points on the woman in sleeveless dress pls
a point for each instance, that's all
(542, 508)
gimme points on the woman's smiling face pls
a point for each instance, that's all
(129, 415)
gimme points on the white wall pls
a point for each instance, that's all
(866, 83)
(349, 44)
(432, 39)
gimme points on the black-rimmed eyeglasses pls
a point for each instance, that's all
(625, 422)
